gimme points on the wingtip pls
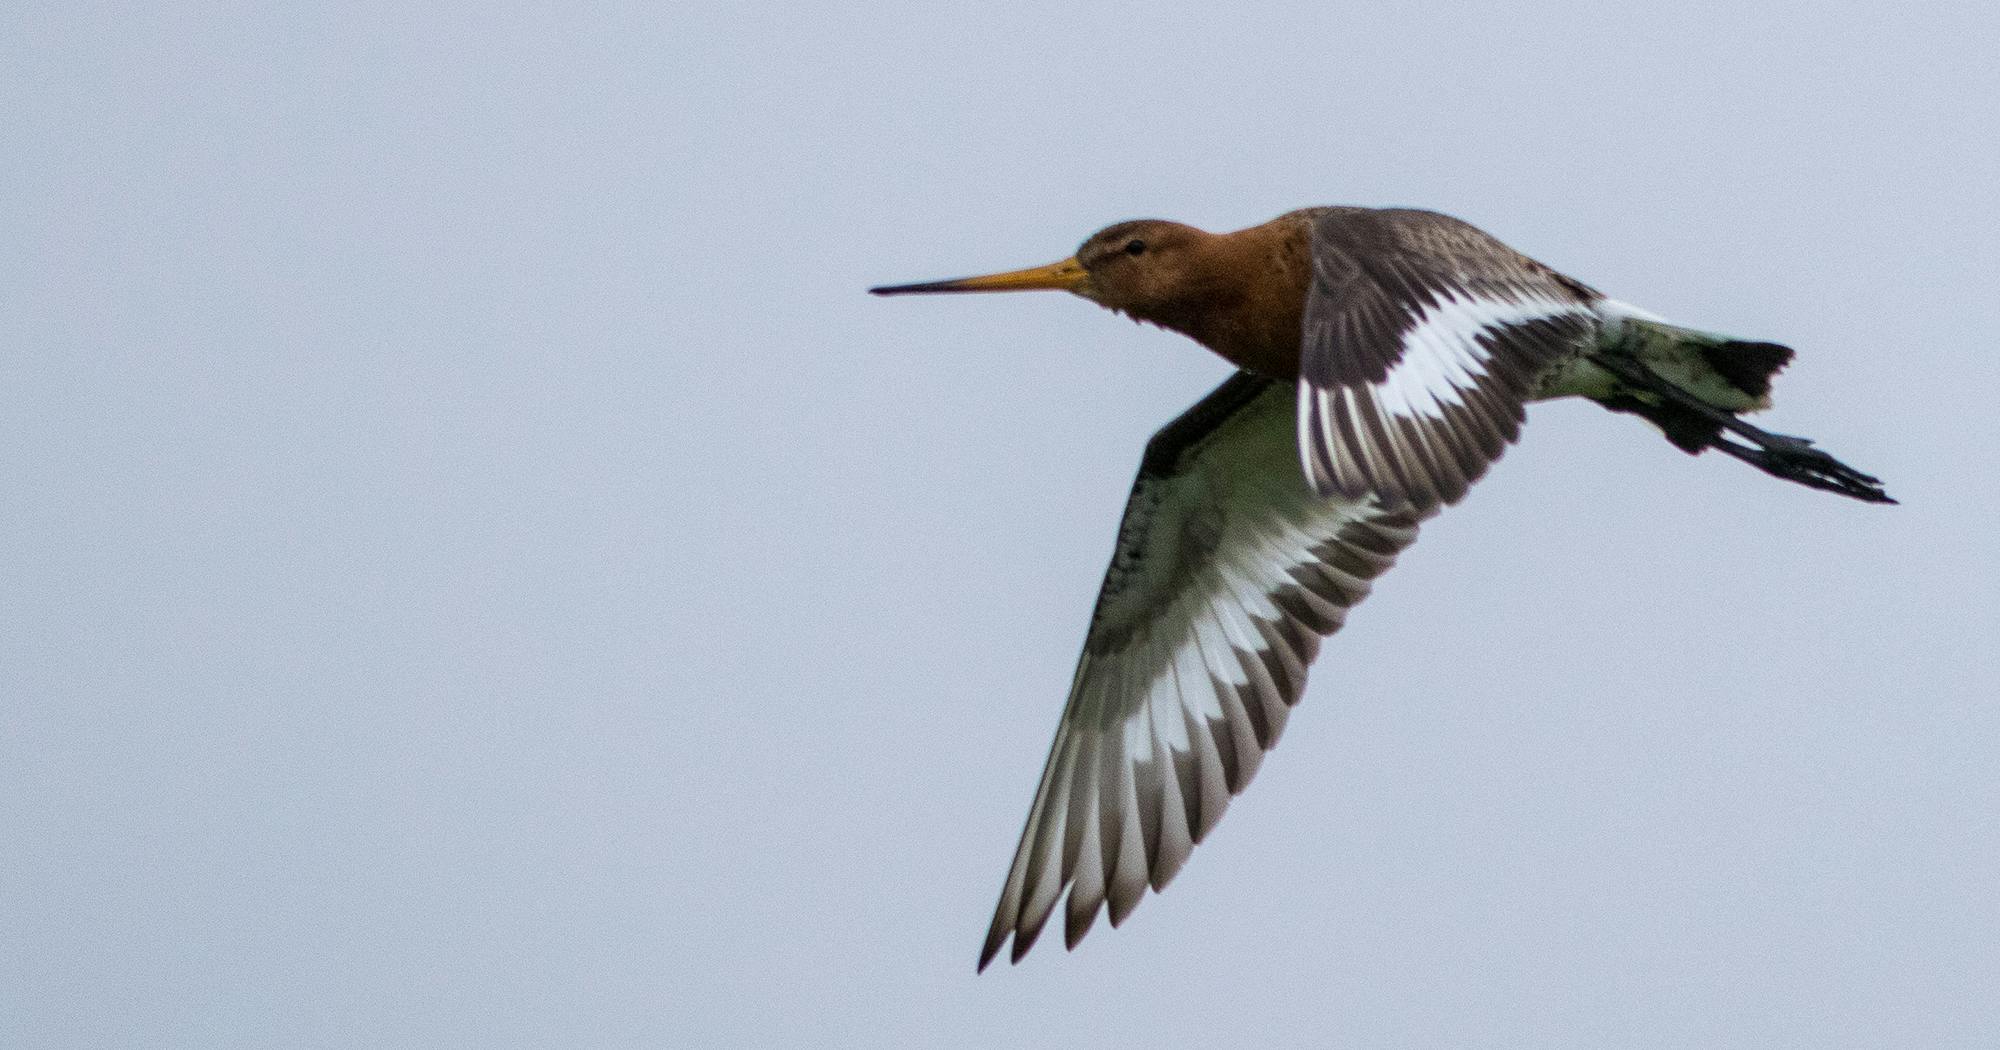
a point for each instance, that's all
(991, 949)
(1021, 946)
(1119, 910)
(1076, 926)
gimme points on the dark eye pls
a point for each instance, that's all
(1135, 246)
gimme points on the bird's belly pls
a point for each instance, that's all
(1575, 376)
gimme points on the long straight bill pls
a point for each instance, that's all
(1064, 276)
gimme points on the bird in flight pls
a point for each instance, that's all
(1385, 358)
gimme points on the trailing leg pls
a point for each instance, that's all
(1693, 424)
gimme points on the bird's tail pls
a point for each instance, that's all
(1695, 386)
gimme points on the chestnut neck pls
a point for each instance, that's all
(1244, 296)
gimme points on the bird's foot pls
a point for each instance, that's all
(1796, 459)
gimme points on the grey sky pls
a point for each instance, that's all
(475, 570)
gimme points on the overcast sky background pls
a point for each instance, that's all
(475, 570)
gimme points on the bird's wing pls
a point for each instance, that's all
(1228, 569)
(1424, 338)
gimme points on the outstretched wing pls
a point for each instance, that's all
(1424, 338)
(1228, 570)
